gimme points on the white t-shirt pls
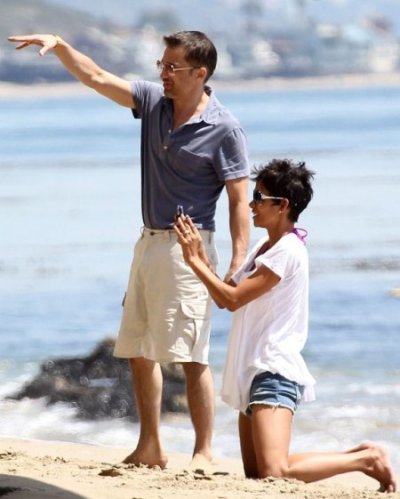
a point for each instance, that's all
(269, 332)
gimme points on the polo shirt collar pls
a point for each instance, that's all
(210, 113)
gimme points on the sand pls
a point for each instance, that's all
(43, 470)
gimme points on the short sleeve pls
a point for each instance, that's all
(144, 93)
(232, 156)
(274, 259)
(284, 258)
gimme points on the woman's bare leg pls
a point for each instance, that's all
(270, 428)
(246, 446)
(372, 461)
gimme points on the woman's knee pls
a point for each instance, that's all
(276, 470)
(250, 470)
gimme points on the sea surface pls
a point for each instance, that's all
(70, 214)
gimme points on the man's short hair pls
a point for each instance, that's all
(199, 49)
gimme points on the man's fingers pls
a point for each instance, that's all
(44, 50)
(22, 45)
(20, 39)
(46, 42)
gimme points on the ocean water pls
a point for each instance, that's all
(70, 214)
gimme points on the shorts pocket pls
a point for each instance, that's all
(194, 310)
(193, 330)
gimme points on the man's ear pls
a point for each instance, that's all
(202, 72)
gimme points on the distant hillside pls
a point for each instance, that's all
(208, 15)
(78, 15)
(188, 13)
(255, 38)
(27, 16)
(88, 33)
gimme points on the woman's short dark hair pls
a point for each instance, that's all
(199, 49)
(284, 178)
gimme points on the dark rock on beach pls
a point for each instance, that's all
(99, 385)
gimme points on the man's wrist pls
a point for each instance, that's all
(58, 40)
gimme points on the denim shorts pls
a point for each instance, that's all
(274, 390)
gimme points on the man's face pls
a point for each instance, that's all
(177, 75)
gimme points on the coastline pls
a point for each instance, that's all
(345, 81)
(32, 469)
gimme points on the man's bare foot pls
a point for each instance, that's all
(381, 469)
(200, 462)
(142, 458)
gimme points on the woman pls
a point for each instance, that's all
(265, 374)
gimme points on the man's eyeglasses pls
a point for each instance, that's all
(170, 68)
(259, 197)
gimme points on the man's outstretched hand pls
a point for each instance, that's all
(46, 42)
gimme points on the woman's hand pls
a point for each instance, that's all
(189, 238)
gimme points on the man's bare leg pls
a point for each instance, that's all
(147, 383)
(200, 395)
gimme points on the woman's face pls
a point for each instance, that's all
(266, 209)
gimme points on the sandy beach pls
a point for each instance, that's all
(43, 470)
(258, 84)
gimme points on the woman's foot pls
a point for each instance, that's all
(380, 467)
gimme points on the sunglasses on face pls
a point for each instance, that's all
(259, 197)
(170, 68)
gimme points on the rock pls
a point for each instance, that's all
(99, 385)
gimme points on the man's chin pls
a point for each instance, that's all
(168, 92)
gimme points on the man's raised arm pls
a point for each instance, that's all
(81, 67)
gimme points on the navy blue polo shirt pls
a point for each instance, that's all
(188, 165)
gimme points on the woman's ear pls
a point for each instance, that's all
(284, 205)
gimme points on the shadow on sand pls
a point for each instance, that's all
(19, 487)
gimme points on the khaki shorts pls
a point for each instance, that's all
(166, 309)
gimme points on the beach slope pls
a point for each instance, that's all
(43, 470)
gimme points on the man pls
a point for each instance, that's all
(191, 147)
